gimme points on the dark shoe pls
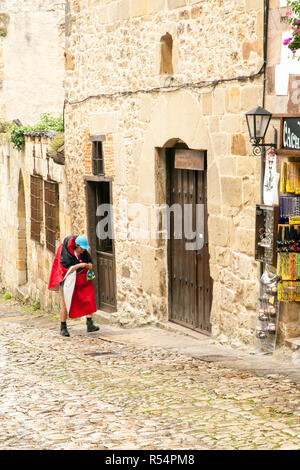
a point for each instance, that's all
(90, 325)
(64, 330)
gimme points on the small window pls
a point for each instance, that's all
(51, 214)
(97, 158)
(36, 204)
(166, 51)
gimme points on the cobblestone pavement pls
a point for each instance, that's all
(84, 392)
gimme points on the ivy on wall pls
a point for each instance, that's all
(47, 123)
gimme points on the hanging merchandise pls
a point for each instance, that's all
(289, 206)
(271, 180)
(268, 313)
(290, 177)
(283, 173)
(266, 224)
(288, 238)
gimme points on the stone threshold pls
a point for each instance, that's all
(293, 343)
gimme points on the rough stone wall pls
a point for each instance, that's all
(31, 58)
(211, 40)
(15, 170)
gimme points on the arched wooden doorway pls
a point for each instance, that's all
(190, 283)
(21, 234)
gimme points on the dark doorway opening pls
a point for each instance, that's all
(99, 214)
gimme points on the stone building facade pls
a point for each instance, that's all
(147, 83)
(32, 39)
(155, 75)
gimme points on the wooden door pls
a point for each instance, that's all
(190, 284)
(102, 248)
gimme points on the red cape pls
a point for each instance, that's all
(83, 300)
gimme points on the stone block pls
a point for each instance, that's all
(231, 189)
(218, 229)
(124, 10)
(233, 100)
(231, 124)
(254, 4)
(218, 98)
(207, 104)
(245, 218)
(21, 265)
(231, 281)
(227, 166)
(151, 272)
(176, 3)
(250, 294)
(238, 144)
(69, 61)
(260, 23)
(290, 312)
(270, 80)
(220, 144)
(213, 185)
(248, 191)
(274, 50)
(223, 256)
(112, 12)
(249, 47)
(139, 8)
(244, 241)
(214, 124)
(125, 271)
(154, 6)
(251, 97)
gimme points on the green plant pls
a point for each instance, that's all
(36, 305)
(293, 18)
(57, 142)
(4, 126)
(47, 123)
(6, 296)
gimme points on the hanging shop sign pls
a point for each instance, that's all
(289, 135)
(186, 159)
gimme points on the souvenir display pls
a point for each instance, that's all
(266, 232)
(289, 206)
(290, 177)
(267, 315)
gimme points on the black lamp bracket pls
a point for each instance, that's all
(258, 145)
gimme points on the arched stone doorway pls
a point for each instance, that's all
(177, 121)
(21, 234)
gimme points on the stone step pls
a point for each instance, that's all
(293, 343)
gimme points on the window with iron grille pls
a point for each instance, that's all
(36, 206)
(97, 158)
(51, 196)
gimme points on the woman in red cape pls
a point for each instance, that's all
(72, 253)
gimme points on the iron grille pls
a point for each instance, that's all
(97, 159)
(51, 214)
(36, 206)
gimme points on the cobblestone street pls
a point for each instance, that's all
(84, 392)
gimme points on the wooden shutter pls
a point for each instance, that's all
(36, 212)
(51, 214)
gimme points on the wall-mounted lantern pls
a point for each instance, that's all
(258, 121)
